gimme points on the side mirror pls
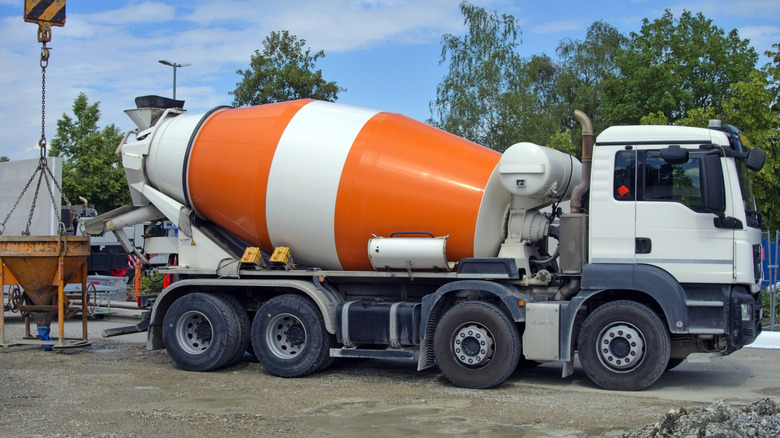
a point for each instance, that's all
(674, 154)
(712, 189)
(755, 159)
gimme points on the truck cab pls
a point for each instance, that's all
(674, 200)
(673, 229)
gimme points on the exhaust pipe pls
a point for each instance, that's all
(576, 256)
(586, 159)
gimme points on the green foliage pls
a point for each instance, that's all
(766, 304)
(152, 282)
(682, 71)
(675, 66)
(283, 71)
(4, 158)
(750, 109)
(478, 98)
(587, 68)
(657, 118)
(492, 96)
(772, 71)
(562, 141)
(91, 167)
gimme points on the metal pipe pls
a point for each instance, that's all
(586, 159)
(568, 290)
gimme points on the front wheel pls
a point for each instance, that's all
(289, 336)
(202, 332)
(476, 345)
(624, 346)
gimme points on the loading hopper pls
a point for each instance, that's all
(42, 265)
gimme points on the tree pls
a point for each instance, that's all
(674, 66)
(772, 71)
(586, 68)
(91, 168)
(478, 98)
(4, 158)
(749, 108)
(283, 71)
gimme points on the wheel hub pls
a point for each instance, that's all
(621, 346)
(296, 335)
(286, 336)
(194, 332)
(473, 345)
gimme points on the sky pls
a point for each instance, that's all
(385, 53)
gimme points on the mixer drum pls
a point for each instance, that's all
(322, 178)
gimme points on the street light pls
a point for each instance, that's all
(175, 66)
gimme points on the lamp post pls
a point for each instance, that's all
(175, 66)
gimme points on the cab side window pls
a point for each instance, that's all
(624, 180)
(672, 182)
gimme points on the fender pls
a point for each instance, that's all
(650, 280)
(431, 307)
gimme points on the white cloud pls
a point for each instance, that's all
(111, 54)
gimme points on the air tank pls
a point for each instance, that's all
(324, 178)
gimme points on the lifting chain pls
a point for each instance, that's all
(45, 51)
(42, 171)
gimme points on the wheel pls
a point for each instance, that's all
(476, 345)
(289, 336)
(201, 331)
(244, 326)
(624, 346)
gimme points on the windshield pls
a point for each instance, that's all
(748, 200)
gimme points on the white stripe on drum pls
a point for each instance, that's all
(304, 179)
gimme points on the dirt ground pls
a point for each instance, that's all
(116, 388)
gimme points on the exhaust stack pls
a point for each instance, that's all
(574, 226)
(586, 159)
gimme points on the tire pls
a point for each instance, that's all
(245, 329)
(624, 346)
(201, 331)
(289, 337)
(476, 345)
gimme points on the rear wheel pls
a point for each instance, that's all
(289, 336)
(201, 331)
(624, 346)
(476, 345)
(244, 326)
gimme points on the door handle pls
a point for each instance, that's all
(644, 245)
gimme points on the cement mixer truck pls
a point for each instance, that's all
(309, 231)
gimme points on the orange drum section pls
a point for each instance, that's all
(403, 175)
(322, 178)
(229, 163)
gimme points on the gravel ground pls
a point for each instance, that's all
(115, 388)
(758, 419)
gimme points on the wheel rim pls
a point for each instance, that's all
(472, 345)
(194, 332)
(620, 347)
(286, 336)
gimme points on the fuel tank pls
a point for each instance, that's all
(323, 178)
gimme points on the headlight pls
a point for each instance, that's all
(747, 312)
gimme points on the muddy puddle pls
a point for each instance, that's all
(355, 418)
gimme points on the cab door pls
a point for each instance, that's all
(612, 208)
(674, 230)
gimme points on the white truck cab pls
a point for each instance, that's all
(693, 216)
